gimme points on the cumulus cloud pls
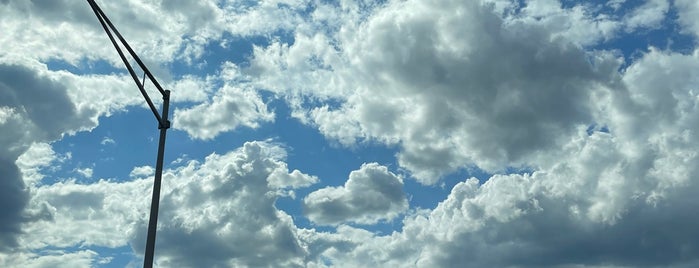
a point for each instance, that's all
(603, 204)
(451, 84)
(372, 193)
(484, 93)
(31, 162)
(85, 172)
(281, 178)
(231, 107)
(222, 208)
(687, 11)
(649, 15)
(55, 258)
(142, 171)
(481, 93)
(41, 106)
(154, 29)
(39, 111)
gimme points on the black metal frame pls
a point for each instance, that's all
(163, 123)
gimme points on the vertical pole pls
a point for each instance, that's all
(155, 202)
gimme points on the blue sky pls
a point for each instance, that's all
(490, 133)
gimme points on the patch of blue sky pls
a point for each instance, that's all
(596, 128)
(605, 6)
(238, 5)
(667, 36)
(310, 152)
(114, 257)
(121, 142)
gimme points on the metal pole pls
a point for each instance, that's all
(155, 201)
(163, 124)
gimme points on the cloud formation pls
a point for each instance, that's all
(372, 193)
(607, 141)
(36, 109)
(223, 210)
(483, 93)
(231, 107)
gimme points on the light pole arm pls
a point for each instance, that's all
(109, 28)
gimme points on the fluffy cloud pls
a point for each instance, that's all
(450, 84)
(41, 106)
(688, 10)
(482, 93)
(31, 162)
(38, 110)
(225, 203)
(603, 204)
(650, 14)
(55, 258)
(231, 107)
(223, 210)
(371, 194)
(142, 171)
(46, 29)
(98, 214)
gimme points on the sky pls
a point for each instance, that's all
(353, 133)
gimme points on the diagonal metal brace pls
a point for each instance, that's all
(111, 30)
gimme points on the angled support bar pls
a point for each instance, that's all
(109, 28)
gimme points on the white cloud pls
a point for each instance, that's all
(223, 209)
(688, 10)
(142, 171)
(191, 88)
(597, 206)
(30, 163)
(482, 93)
(372, 193)
(616, 4)
(46, 30)
(6, 113)
(281, 178)
(97, 214)
(107, 140)
(85, 172)
(502, 92)
(231, 107)
(42, 112)
(59, 259)
(263, 17)
(649, 15)
(451, 84)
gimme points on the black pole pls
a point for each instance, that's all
(155, 201)
(163, 124)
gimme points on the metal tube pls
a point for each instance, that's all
(155, 201)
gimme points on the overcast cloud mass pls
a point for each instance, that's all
(354, 133)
